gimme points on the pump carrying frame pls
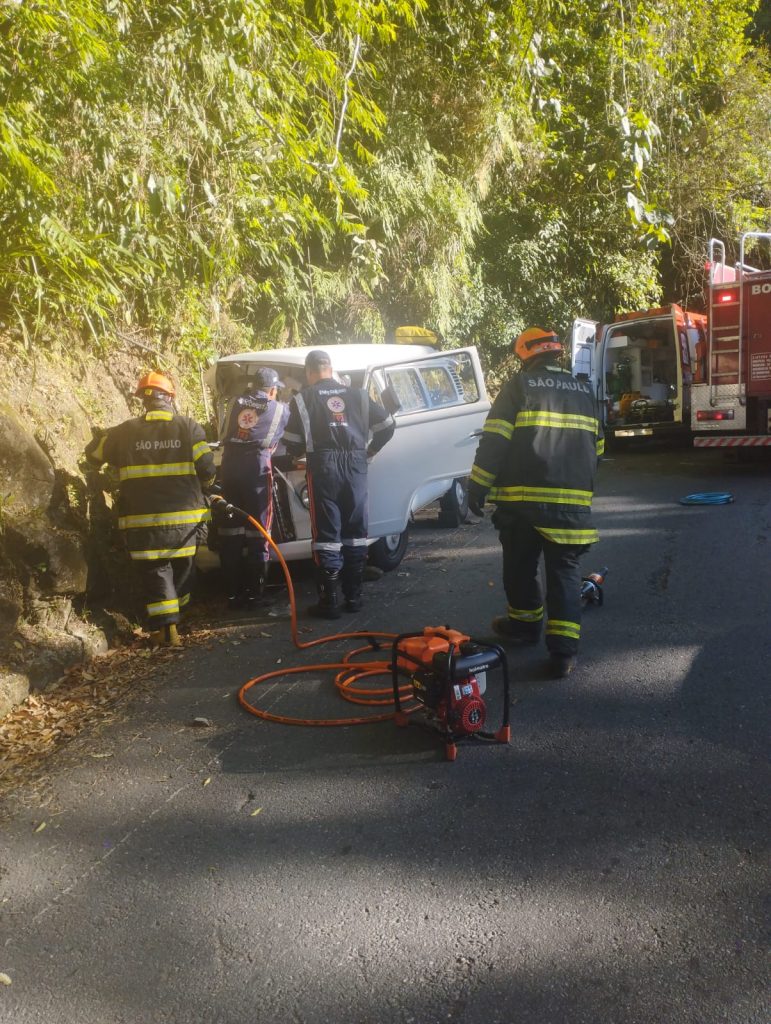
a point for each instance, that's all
(458, 666)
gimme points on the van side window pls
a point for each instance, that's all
(441, 388)
(406, 384)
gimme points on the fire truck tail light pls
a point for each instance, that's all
(714, 414)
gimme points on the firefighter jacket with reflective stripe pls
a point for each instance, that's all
(327, 416)
(255, 426)
(163, 461)
(538, 453)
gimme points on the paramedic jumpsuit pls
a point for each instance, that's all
(338, 428)
(254, 429)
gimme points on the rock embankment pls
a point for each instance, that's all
(61, 565)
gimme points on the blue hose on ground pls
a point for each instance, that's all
(708, 498)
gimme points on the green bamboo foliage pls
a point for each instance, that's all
(220, 171)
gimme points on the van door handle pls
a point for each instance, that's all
(476, 433)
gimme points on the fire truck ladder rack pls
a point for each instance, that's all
(726, 333)
(730, 333)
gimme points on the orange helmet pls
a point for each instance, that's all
(154, 382)
(534, 342)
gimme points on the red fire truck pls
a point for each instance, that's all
(731, 390)
(666, 371)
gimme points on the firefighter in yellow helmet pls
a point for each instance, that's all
(164, 469)
(536, 462)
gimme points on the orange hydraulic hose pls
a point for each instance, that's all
(349, 673)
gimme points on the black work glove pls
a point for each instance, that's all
(476, 499)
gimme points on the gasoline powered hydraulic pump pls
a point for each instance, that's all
(448, 673)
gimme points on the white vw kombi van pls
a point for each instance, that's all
(442, 405)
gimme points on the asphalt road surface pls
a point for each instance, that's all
(609, 866)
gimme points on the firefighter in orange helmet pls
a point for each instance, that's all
(536, 461)
(164, 469)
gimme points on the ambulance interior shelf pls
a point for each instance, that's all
(639, 372)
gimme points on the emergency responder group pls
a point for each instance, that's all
(536, 463)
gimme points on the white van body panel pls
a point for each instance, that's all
(431, 447)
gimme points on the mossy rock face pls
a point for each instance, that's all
(53, 557)
(26, 472)
(14, 687)
(11, 603)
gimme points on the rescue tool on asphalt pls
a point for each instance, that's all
(591, 586)
(447, 671)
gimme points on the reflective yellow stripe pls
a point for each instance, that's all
(144, 556)
(561, 420)
(569, 536)
(164, 469)
(544, 495)
(481, 476)
(163, 607)
(558, 627)
(159, 414)
(185, 599)
(98, 453)
(600, 445)
(195, 515)
(199, 449)
(502, 427)
(526, 614)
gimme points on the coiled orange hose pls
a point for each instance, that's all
(350, 673)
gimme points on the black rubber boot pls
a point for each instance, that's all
(352, 583)
(514, 632)
(561, 665)
(255, 594)
(328, 606)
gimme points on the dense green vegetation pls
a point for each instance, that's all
(205, 172)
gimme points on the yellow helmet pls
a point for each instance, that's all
(534, 342)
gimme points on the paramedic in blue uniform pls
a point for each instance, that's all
(339, 428)
(536, 462)
(255, 426)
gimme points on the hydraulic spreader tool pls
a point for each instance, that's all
(591, 586)
(446, 673)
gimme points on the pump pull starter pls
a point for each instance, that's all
(448, 674)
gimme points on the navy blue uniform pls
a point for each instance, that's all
(254, 429)
(338, 427)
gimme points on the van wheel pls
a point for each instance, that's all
(454, 504)
(388, 552)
